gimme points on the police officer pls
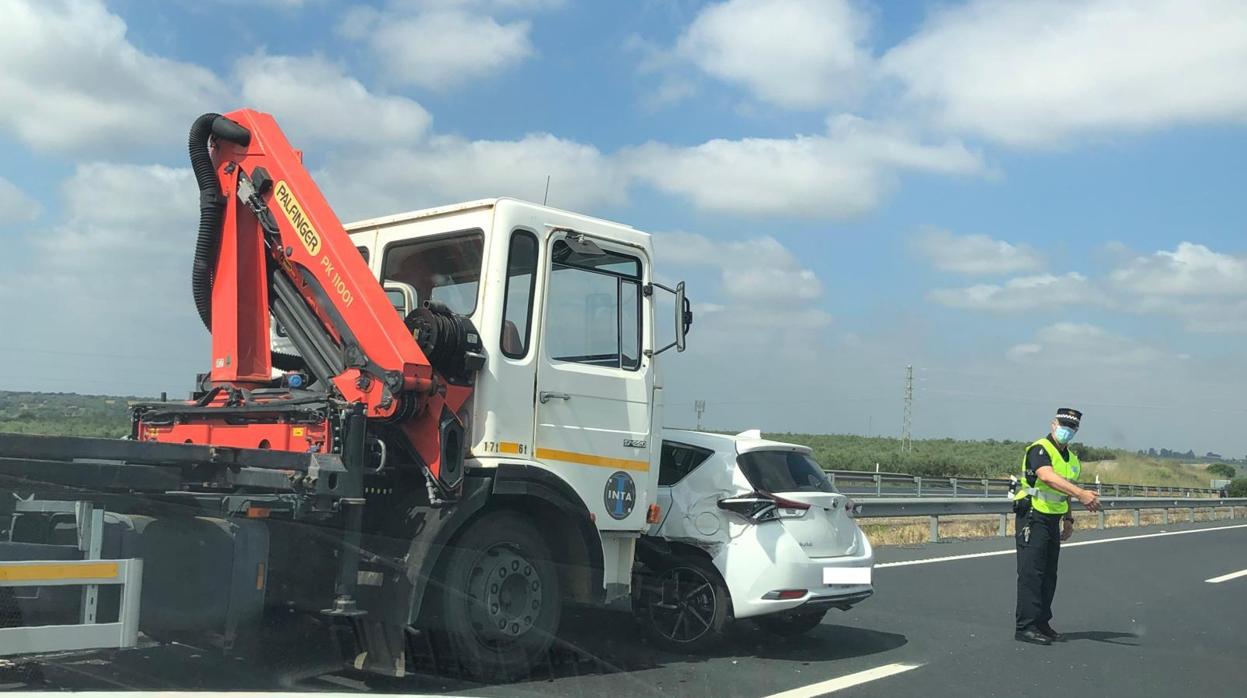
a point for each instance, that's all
(1049, 475)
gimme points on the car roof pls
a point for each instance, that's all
(743, 442)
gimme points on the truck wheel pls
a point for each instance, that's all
(684, 605)
(500, 599)
(792, 624)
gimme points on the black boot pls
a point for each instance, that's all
(1032, 636)
(1049, 633)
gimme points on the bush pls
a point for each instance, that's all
(1238, 488)
(1092, 453)
(1222, 470)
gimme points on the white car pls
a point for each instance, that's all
(749, 528)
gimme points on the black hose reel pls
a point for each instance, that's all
(449, 341)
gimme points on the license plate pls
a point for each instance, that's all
(846, 575)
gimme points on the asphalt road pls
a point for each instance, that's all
(1140, 618)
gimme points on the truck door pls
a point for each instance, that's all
(594, 383)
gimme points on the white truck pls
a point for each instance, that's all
(464, 466)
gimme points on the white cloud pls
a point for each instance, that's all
(447, 168)
(1205, 290)
(439, 45)
(278, 4)
(111, 281)
(974, 254)
(1037, 73)
(765, 304)
(1081, 345)
(15, 205)
(759, 269)
(104, 230)
(838, 175)
(1190, 270)
(1204, 315)
(73, 83)
(793, 53)
(315, 100)
(1020, 294)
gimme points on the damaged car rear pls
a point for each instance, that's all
(750, 529)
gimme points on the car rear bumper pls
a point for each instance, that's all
(842, 600)
(759, 562)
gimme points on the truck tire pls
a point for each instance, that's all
(792, 624)
(500, 600)
(684, 604)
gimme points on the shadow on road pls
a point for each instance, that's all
(1106, 636)
(596, 643)
(593, 643)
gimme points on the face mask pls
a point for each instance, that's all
(1063, 435)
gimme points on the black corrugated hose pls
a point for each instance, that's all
(211, 209)
(211, 203)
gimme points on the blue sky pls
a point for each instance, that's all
(1036, 204)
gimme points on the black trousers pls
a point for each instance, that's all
(1039, 547)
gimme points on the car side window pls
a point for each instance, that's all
(678, 460)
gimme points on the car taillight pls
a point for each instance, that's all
(761, 506)
(784, 594)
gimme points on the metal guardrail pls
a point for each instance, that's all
(935, 507)
(862, 483)
(80, 636)
(90, 573)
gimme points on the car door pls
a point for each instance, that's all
(594, 383)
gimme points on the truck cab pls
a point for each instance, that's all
(565, 310)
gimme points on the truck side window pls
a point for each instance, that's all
(678, 460)
(446, 269)
(517, 305)
(363, 252)
(594, 308)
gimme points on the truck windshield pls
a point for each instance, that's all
(784, 471)
(446, 269)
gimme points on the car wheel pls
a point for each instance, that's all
(500, 600)
(684, 605)
(790, 624)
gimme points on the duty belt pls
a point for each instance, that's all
(1047, 496)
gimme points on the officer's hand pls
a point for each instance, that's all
(1090, 500)
(1067, 529)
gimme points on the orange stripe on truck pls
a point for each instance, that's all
(588, 459)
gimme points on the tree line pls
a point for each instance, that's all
(930, 457)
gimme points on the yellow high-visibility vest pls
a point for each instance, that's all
(1045, 499)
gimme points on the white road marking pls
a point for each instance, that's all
(833, 685)
(1227, 577)
(950, 558)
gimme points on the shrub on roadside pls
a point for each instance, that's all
(1238, 488)
(1222, 470)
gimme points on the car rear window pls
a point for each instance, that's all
(784, 471)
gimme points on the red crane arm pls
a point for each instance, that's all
(277, 221)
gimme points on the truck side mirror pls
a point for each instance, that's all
(683, 316)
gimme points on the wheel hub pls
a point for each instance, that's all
(506, 594)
